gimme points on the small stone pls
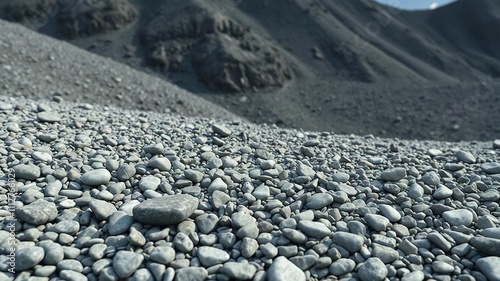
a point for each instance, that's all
(373, 269)
(210, 256)
(27, 172)
(125, 172)
(193, 175)
(491, 168)
(48, 116)
(149, 183)
(465, 157)
(119, 223)
(66, 226)
(393, 174)
(377, 222)
(183, 243)
(206, 223)
(162, 254)
(442, 192)
(437, 239)
(342, 266)
(27, 258)
(414, 276)
(154, 149)
(341, 177)
(496, 144)
(349, 241)
(217, 184)
(458, 217)
(96, 177)
(136, 238)
(442, 267)
(239, 270)
(125, 263)
(490, 267)
(160, 163)
(304, 170)
(489, 246)
(390, 213)
(319, 200)
(37, 213)
(191, 274)
(102, 209)
(165, 210)
(283, 270)
(316, 230)
(221, 130)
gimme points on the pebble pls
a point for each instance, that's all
(149, 183)
(96, 177)
(377, 222)
(28, 257)
(393, 174)
(239, 271)
(465, 157)
(48, 116)
(314, 229)
(125, 172)
(27, 172)
(283, 270)
(125, 263)
(487, 245)
(165, 210)
(458, 217)
(160, 163)
(490, 267)
(349, 241)
(373, 269)
(390, 213)
(191, 274)
(102, 209)
(319, 200)
(162, 254)
(119, 223)
(210, 256)
(221, 130)
(342, 266)
(491, 168)
(37, 213)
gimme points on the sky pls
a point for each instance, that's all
(416, 4)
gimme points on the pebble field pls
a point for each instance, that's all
(102, 193)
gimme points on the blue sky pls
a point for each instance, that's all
(415, 4)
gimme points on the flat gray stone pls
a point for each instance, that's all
(490, 267)
(125, 172)
(349, 241)
(313, 229)
(165, 210)
(389, 212)
(206, 223)
(149, 183)
(210, 256)
(221, 130)
(191, 274)
(393, 174)
(28, 257)
(319, 200)
(162, 254)
(465, 157)
(37, 213)
(377, 222)
(48, 116)
(102, 209)
(66, 226)
(119, 223)
(27, 172)
(125, 263)
(487, 245)
(239, 270)
(160, 163)
(96, 177)
(342, 266)
(458, 217)
(284, 270)
(491, 168)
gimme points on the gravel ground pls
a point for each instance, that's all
(38, 67)
(102, 193)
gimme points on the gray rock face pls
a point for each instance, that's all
(165, 210)
(38, 212)
(393, 174)
(283, 270)
(96, 177)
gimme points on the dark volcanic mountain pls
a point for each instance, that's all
(347, 66)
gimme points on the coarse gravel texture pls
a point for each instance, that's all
(261, 203)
